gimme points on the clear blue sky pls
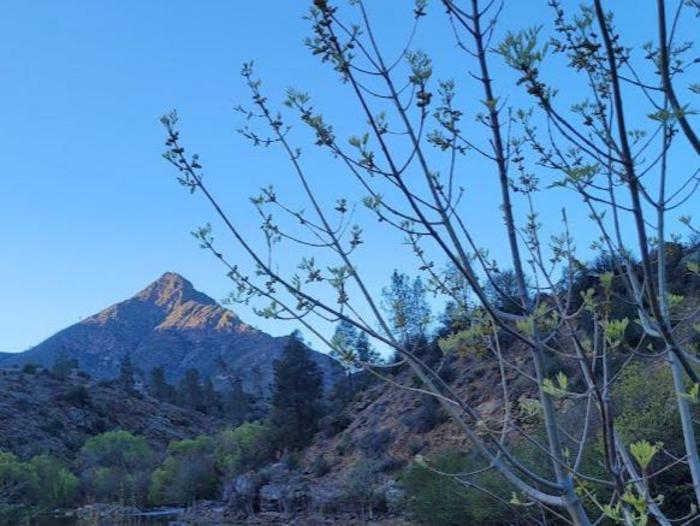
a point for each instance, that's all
(90, 213)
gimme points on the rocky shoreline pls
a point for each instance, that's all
(217, 513)
(220, 513)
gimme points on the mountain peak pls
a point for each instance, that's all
(172, 289)
(168, 324)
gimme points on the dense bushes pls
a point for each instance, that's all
(193, 469)
(375, 443)
(188, 473)
(434, 498)
(242, 449)
(359, 488)
(648, 411)
(43, 482)
(59, 488)
(17, 483)
(427, 417)
(116, 466)
(649, 414)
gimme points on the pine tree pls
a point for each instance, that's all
(366, 353)
(238, 406)
(190, 390)
(503, 290)
(211, 402)
(351, 346)
(64, 364)
(343, 341)
(258, 388)
(158, 386)
(407, 306)
(127, 376)
(297, 395)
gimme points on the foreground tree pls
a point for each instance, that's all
(406, 160)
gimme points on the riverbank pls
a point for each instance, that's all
(203, 514)
(218, 514)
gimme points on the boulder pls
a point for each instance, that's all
(289, 497)
(241, 493)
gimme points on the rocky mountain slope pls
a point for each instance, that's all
(370, 441)
(169, 324)
(40, 412)
(391, 425)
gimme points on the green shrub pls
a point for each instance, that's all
(346, 444)
(648, 410)
(427, 417)
(30, 368)
(376, 442)
(18, 482)
(14, 514)
(647, 413)
(188, 473)
(360, 488)
(433, 498)
(43, 482)
(336, 423)
(320, 466)
(78, 396)
(116, 466)
(18, 485)
(244, 448)
(59, 487)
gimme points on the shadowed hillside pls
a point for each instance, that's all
(43, 413)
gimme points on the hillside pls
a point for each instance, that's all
(169, 324)
(40, 412)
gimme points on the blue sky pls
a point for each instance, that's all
(90, 213)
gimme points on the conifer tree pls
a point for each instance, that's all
(343, 342)
(127, 376)
(297, 394)
(190, 390)
(158, 386)
(366, 353)
(238, 406)
(211, 402)
(407, 306)
(63, 364)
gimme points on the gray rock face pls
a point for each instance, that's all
(276, 489)
(242, 493)
(170, 324)
(279, 491)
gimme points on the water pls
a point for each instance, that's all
(152, 518)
